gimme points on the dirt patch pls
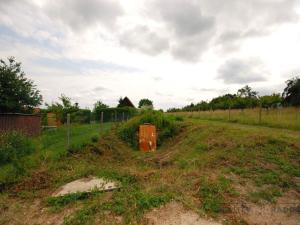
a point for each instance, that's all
(33, 213)
(36, 181)
(175, 214)
(286, 211)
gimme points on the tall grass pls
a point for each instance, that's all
(20, 154)
(166, 125)
(282, 117)
(53, 143)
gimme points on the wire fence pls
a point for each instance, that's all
(288, 117)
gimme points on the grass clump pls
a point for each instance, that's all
(269, 195)
(14, 147)
(166, 125)
(212, 194)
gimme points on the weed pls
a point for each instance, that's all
(94, 139)
(132, 203)
(201, 147)
(212, 194)
(269, 195)
(60, 201)
(81, 217)
(13, 146)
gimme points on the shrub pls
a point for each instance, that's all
(166, 125)
(13, 146)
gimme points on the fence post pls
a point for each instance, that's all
(68, 130)
(260, 109)
(229, 113)
(123, 116)
(101, 117)
(116, 116)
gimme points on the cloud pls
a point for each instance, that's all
(142, 39)
(99, 89)
(80, 15)
(237, 71)
(242, 20)
(78, 66)
(189, 29)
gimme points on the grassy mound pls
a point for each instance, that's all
(167, 126)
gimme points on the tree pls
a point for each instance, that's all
(100, 105)
(17, 93)
(291, 93)
(66, 107)
(98, 108)
(145, 102)
(246, 92)
(268, 101)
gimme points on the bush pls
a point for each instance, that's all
(167, 127)
(13, 146)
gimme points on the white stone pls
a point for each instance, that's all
(86, 185)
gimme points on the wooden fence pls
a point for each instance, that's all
(29, 124)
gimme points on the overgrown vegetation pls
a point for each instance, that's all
(212, 194)
(167, 126)
(14, 146)
(20, 154)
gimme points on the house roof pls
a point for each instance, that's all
(126, 101)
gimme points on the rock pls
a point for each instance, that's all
(88, 184)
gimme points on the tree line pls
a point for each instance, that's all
(18, 94)
(247, 98)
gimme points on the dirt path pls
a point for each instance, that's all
(174, 214)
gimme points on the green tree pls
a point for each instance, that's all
(100, 105)
(98, 108)
(17, 93)
(145, 102)
(291, 93)
(268, 101)
(246, 92)
(66, 106)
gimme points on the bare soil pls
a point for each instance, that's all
(175, 214)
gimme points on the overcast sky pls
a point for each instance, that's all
(173, 52)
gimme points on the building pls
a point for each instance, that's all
(125, 102)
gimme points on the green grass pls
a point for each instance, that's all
(207, 167)
(212, 194)
(269, 195)
(53, 143)
(50, 147)
(282, 118)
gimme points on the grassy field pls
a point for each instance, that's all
(50, 147)
(282, 118)
(214, 168)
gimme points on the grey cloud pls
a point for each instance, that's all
(189, 29)
(142, 39)
(99, 89)
(236, 71)
(184, 17)
(250, 19)
(79, 15)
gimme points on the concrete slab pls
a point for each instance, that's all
(87, 184)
